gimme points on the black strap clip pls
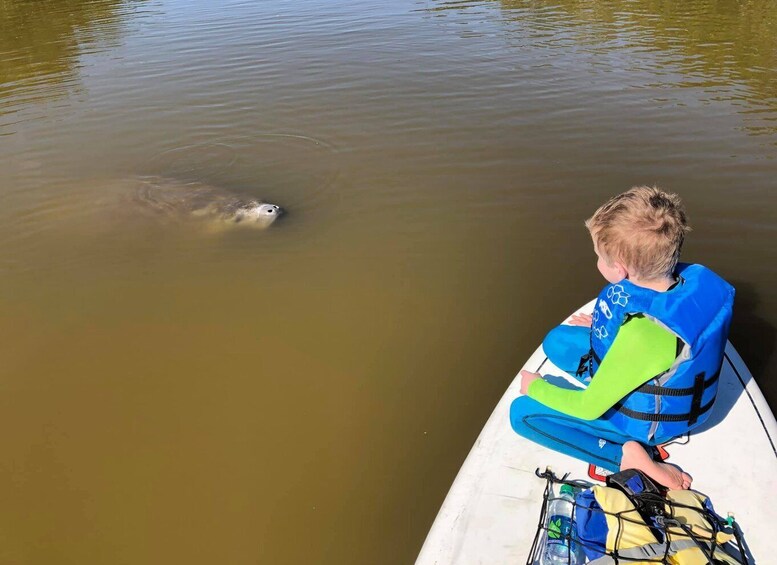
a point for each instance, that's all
(586, 365)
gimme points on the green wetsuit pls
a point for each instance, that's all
(641, 350)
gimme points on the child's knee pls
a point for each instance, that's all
(553, 336)
(521, 407)
(567, 337)
(565, 345)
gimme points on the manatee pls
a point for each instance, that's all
(212, 206)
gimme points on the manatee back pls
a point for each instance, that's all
(175, 198)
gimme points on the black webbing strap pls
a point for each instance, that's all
(698, 390)
(687, 391)
(690, 417)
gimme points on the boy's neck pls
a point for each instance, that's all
(659, 285)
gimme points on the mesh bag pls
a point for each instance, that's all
(635, 521)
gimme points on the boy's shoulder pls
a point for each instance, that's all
(695, 277)
(694, 300)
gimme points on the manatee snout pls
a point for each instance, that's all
(270, 210)
(262, 214)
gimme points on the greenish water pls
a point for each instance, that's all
(306, 394)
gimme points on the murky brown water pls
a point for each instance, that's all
(306, 394)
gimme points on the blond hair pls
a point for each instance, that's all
(643, 229)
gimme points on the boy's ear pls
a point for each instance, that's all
(623, 272)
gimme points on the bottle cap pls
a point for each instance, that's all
(567, 489)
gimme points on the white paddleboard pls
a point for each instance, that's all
(491, 512)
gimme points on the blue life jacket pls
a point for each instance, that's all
(698, 311)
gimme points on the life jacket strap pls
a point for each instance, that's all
(696, 391)
(690, 417)
(687, 391)
(699, 386)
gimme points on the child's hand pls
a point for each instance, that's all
(528, 378)
(581, 320)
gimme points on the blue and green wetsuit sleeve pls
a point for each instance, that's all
(641, 350)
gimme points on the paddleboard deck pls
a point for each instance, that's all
(491, 512)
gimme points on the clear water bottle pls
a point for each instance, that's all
(561, 546)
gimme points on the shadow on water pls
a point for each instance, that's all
(754, 337)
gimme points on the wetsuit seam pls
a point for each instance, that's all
(562, 442)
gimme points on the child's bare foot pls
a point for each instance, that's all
(635, 457)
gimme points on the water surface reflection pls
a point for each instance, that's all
(726, 50)
(43, 42)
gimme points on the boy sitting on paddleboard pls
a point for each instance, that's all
(650, 353)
